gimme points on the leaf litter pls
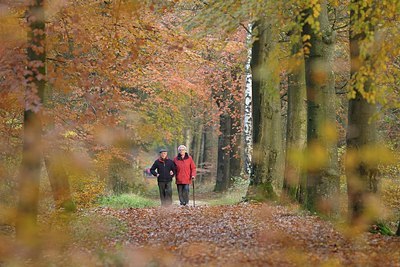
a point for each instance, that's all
(244, 235)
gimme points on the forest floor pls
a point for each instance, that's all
(209, 234)
(244, 235)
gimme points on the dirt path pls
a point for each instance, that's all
(197, 203)
(246, 235)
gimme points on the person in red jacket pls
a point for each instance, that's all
(185, 173)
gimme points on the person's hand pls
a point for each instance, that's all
(158, 174)
(171, 173)
(193, 178)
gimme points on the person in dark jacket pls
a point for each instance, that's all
(185, 174)
(164, 169)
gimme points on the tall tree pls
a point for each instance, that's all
(223, 158)
(210, 153)
(296, 121)
(236, 111)
(236, 148)
(197, 142)
(230, 139)
(58, 178)
(248, 121)
(361, 130)
(267, 168)
(322, 161)
(54, 157)
(26, 224)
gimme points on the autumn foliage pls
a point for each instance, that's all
(108, 83)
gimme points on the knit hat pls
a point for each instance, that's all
(163, 150)
(182, 147)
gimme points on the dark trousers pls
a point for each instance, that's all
(165, 189)
(183, 192)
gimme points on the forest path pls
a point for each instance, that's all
(245, 235)
(192, 204)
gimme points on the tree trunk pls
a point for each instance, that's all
(196, 146)
(54, 159)
(197, 143)
(248, 125)
(255, 64)
(223, 164)
(235, 153)
(294, 181)
(322, 173)
(229, 141)
(173, 149)
(58, 180)
(119, 176)
(188, 139)
(201, 165)
(267, 173)
(210, 153)
(26, 223)
(361, 134)
(236, 110)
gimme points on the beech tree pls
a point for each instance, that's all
(372, 75)
(223, 160)
(322, 160)
(294, 180)
(267, 168)
(26, 228)
(229, 101)
(210, 153)
(361, 179)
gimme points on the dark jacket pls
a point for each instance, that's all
(163, 168)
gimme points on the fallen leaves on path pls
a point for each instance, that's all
(245, 235)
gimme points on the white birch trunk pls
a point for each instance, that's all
(248, 120)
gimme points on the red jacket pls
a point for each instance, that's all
(185, 169)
